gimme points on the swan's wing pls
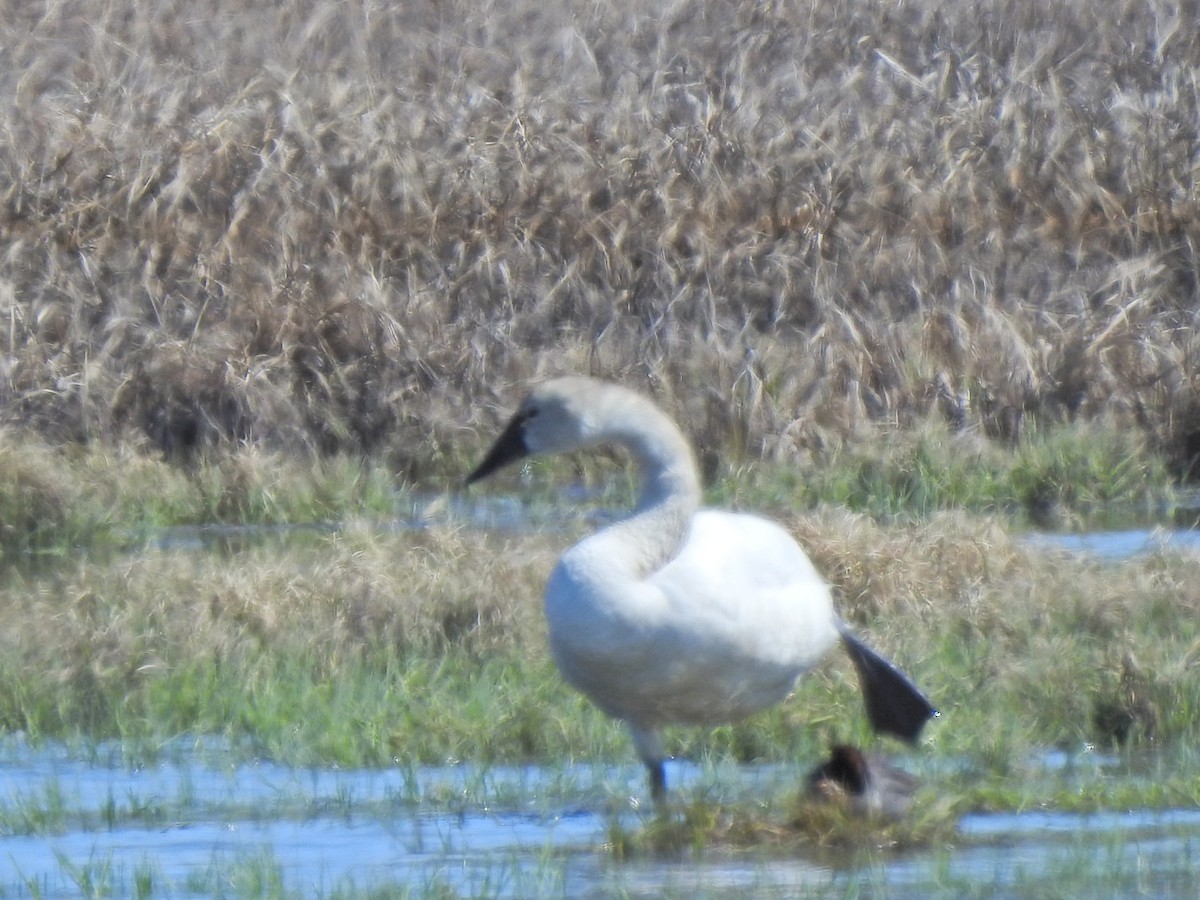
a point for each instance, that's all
(744, 580)
(739, 552)
(721, 631)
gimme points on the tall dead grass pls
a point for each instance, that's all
(108, 633)
(354, 226)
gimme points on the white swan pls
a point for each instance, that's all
(676, 614)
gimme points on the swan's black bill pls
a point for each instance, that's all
(509, 447)
(894, 704)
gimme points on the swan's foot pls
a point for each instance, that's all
(658, 782)
(650, 750)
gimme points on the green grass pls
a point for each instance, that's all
(397, 649)
(1069, 475)
(372, 648)
(57, 500)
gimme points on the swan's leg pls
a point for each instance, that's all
(894, 704)
(650, 749)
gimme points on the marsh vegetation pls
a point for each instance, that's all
(365, 646)
(393, 688)
(901, 270)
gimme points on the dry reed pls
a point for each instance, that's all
(356, 226)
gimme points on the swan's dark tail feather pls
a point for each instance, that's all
(895, 706)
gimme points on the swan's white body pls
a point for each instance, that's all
(676, 614)
(718, 629)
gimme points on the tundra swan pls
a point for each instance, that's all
(677, 614)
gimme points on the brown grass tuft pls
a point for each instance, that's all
(356, 596)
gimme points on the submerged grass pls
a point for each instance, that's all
(790, 821)
(787, 824)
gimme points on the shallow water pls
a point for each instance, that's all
(202, 819)
(1113, 546)
(576, 506)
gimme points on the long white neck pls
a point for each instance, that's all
(670, 494)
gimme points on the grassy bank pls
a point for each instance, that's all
(57, 500)
(805, 226)
(378, 649)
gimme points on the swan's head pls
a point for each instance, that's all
(556, 417)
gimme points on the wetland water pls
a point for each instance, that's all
(198, 818)
(203, 820)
